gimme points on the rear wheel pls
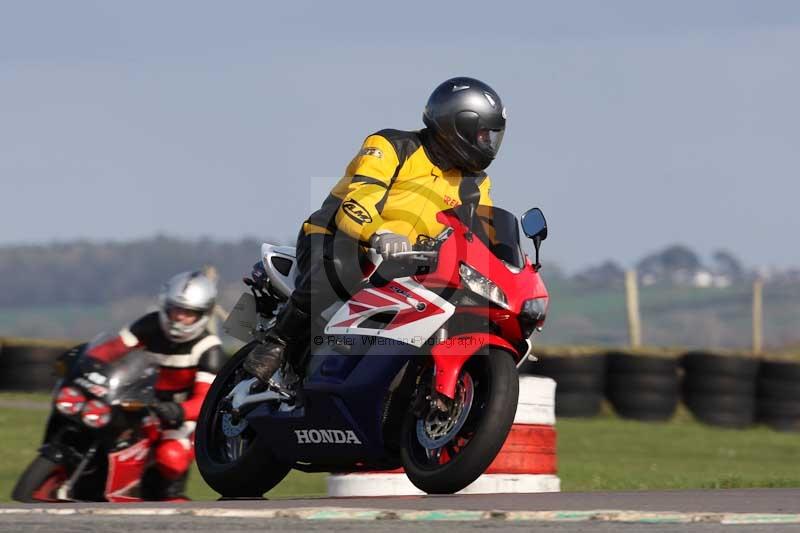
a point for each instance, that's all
(443, 452)
(230, 456)
(40, 481)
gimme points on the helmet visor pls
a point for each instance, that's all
(490, 140)
(182, 315)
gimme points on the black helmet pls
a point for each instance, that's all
(468, 118)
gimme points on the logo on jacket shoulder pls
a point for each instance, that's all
(357, 212)
(326, 436)
(449, 200)
(369, 150)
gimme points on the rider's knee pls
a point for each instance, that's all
(173, 458)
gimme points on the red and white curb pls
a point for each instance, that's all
(341, 513)
(537, 401)
(527, 463)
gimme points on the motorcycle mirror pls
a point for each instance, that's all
(470, 195)
(534, 226)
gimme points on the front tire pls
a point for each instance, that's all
(494, 381)
(40, 481)
(251, 470)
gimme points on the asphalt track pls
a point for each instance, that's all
(752, 510)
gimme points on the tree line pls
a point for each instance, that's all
(97, 273)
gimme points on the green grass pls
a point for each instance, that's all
(7, 397)
(603, 453)
(609, 453)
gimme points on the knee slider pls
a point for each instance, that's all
(173, 458)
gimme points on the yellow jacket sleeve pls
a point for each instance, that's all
(371, 172)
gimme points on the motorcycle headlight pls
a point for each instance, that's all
(480, 284)
(69, 401)
(532, 315)
(96, 414)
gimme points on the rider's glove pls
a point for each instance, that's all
(259, 276)
(170, 414)
(387, 243)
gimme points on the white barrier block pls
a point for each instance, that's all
(345, 485)
(537, 401)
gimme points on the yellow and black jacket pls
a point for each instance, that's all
(391, 184)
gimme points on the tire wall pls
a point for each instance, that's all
(778, 395)
(719, 389)
(724, 388)
(643, 385)
(580, 376)
(29, 364)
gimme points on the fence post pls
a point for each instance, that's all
(213, 325)
(758, 316)
(632, 304)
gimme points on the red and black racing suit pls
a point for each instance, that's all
(185, 375)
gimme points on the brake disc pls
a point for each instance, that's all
(438, 428)
(229, 429)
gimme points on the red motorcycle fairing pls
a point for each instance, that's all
(125, 470)
(413, 311)
(449, 357)
(518, 285)
(527, 283)
(126, 466)
(415, 308)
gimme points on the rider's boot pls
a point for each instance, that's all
(290, 330)
(175, 489)
(155, 487)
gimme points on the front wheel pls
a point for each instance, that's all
(231, 457)
(443, 452)
(40, 481)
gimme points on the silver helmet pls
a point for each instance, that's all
(188, 291)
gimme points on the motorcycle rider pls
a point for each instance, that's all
(390, 195)
(189, 358)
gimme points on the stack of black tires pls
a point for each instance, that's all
(720, 388)
(580, 376)
(643, 384)
(778, 394)
(29, 364)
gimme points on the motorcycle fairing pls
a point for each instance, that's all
(125, 470)
(375, 335)
(280, 263)
(450, 356)
(408, 313)
(457, 249)
(342, 392)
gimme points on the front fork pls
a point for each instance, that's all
(66, 455)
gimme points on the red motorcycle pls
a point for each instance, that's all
(416, 369)
(100, 434)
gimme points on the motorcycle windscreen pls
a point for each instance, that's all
(130, 378)
(499, 231)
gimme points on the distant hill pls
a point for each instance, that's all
(99, 273)
(673, 266)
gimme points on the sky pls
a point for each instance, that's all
(633, 125)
